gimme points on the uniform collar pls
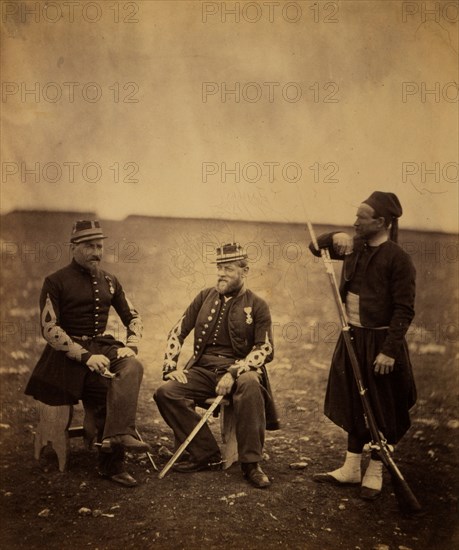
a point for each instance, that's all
(234, 293)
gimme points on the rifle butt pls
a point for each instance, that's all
(406, 499)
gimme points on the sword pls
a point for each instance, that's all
(188, 440)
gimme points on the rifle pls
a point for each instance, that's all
(406, 499)
(188, 440)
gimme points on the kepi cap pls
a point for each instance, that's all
(230, 252)
(86, 230)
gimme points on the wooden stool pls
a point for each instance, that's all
(54, 428)
(228, 432)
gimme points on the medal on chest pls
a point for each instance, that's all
(111, 288)
(248, 313)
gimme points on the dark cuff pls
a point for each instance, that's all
(233, 371)
(390, 348)
(85, 357)
(166, 372)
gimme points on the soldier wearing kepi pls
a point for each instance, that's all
(80, 358)
(378, 290)
(232, 344)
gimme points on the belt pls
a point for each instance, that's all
(82, 338)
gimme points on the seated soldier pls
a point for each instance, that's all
(232, 343)
(80, 361)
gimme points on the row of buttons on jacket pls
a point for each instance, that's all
(209, 318)
(97, 299)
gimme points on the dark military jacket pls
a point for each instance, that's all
(249, 324)
(74, 309)
(250, 331)
(387, 289)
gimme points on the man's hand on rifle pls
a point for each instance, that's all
(343, 244)
(383, 364)
(225, 384)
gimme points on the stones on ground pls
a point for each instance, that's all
(84, 511)
(230, 499)
(44, 513)
(298, 479)
(453, 424)
(298, 465)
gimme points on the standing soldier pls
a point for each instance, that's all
(378, 290)
(79, 356)
(232, 344)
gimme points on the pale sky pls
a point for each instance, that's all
(175, 108)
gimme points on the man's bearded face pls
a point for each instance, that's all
(230, 277)
(89, 254)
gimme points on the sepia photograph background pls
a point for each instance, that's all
(182, 125)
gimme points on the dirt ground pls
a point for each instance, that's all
(41, 507)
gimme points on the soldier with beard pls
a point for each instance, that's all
(378, 290)
(80, 361)
(232, 343)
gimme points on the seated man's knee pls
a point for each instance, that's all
(248, 381)
(131, 366)
(158, 393)
(136, 365)
(162, 393)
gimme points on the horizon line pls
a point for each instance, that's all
(157, 216)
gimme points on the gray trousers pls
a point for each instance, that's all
(114, 401)
(176, 403)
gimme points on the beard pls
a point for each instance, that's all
(225, 287)
(93, 268)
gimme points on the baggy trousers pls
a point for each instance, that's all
(176, 403)
(114, 403)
